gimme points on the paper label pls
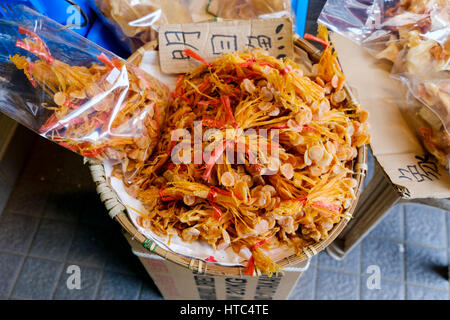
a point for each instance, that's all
(113, 75)
(211, 39)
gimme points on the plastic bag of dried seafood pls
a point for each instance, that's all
(375, 24)
(73, 92)
(423, 64)
(428, 125)
(136, 22)
(414, 37)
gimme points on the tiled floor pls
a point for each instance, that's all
(54, 219)
(413, 261)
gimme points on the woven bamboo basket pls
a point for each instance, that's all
(118, 212)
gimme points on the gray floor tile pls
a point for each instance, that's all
(16, 232)
(425, 225)
(88, 246)
(65, 206)
(149, 291)
(119, 257)
(89, 282)
(6, 127)
(71, 174)
(386, 254)
(391, 226)
(304, 290)
(74, 173)
(117, 286)
(314, 260)
(420, 293)
(351, 262)
(426, 266)
(16, 154)
(333, 285)
(389, 290)
(9, 269)
(37, 279)
(52, 239)
(5, 191)
(66, 171)
(95, 212)
(28, 197)
(45, 151)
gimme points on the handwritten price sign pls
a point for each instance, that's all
(423, 170)
(212, 39)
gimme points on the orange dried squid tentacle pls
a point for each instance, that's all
(34, 45)
(196, 56)
(215, 155)
(258, 258)
(316, 39)
(226, 103)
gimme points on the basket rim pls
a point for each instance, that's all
(118, 211)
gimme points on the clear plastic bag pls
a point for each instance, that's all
(249, 9)
(414, 35)
(73, 92)
(136, 22)
(372, 23)
(429, 128)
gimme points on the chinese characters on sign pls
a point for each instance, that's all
(212, 39)
(423, 170)
(181, 38)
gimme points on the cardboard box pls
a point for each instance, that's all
(179, 283)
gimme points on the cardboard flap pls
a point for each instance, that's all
(393, 143)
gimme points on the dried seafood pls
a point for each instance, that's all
(287, 187)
